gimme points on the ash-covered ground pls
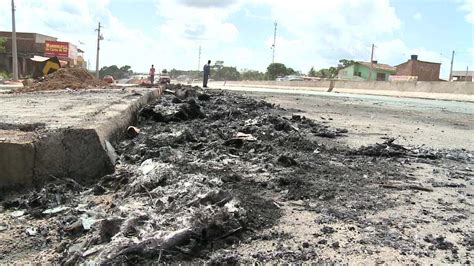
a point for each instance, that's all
(217, 177)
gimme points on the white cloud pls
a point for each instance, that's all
(417, 16)
(467, 6)
(198, 20)
(321, 32)
(310, 33)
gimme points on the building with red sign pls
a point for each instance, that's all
(35, 44)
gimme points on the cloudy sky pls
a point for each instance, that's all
(168, 33)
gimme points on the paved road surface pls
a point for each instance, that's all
(435, 123)
(452, 106)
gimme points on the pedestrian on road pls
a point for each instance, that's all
(152, 74)
(207, 73)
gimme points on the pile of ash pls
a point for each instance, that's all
(206, 171)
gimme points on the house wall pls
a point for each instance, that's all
(405, 69)
(364, 73)
(423, 70)
(426, 71)
(346, 73)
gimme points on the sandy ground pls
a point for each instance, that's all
(423, 226)
(412, 123)
(447, 211)
(316, 90)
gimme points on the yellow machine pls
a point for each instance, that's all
(45, 65)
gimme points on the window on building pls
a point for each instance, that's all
(380, 76)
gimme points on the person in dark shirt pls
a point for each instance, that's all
(207, 73)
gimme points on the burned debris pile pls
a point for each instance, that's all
(390, 149)
(204, 172)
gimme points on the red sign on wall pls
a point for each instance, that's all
(53, 48)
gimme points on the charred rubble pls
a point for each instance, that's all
(207, 170)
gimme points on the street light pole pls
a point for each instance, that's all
(98, 48)
(14, 47)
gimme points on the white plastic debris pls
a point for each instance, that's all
(17, 214)
(147, 166)
(31, 231)
(56, 210)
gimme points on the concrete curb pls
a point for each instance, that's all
(82, 152)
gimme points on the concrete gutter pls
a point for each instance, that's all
(81, 150)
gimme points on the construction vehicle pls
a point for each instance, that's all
(45, 65)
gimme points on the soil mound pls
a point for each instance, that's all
(65, 78)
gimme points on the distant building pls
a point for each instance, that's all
(424, 71)
(360, 71)
(35, 44)
(463, 75)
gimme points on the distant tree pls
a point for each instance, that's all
(327, 72)
(225, 73)
(190, 74)
(346, 63)
(174, 73)
(252, 75)
(290, 71)
(126, 71)
(275, 70)
(218, 65)
(331, 72)
(3, 43)
(114, 71)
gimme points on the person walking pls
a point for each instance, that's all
(207, 73)
(152, 74)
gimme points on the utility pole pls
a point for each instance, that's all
(14, 48)
(467, 72)
(99, 37)
(274, 41)
(451, 70)
(371, 62)
(199, 59)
